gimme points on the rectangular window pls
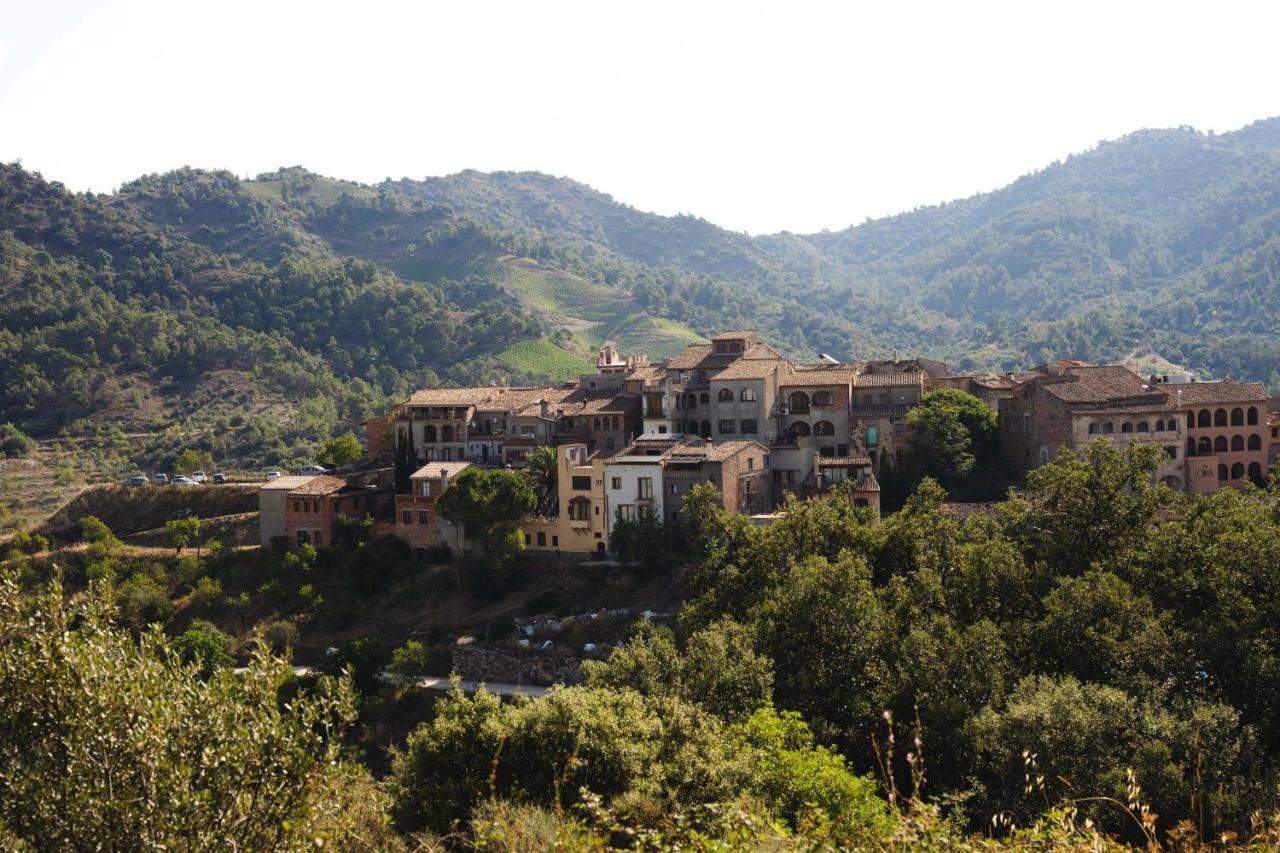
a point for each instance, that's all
(751, 463)
(319, 539)
(1172, 451)
(616, 483)
(777, 476)
(555, 541)
(528, 540)
(609, 443)
(662, 428)
(645, 485)
(579, 510)
(426, 488)
(749, 426)
(581, 484)
(406, 516)
(675, 490)
(791, 476)
(542, 538)
(526, 430)
(627, 512)
(424, 517)
(726, 427)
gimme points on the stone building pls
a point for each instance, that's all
(417, 521)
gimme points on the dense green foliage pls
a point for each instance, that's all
(116, 743)
(1102, 624)
(487, 503)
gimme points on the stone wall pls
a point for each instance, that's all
(508, 667)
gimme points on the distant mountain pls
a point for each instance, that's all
(294, 304)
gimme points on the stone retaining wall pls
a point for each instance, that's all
(508, 667)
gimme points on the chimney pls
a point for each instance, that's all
(544, 408)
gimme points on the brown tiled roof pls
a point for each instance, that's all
(701, 355)
(1101, 385)
(1225, 391)
(439, 469)
(843, 461)
(751, 368)
(287, 483)
(890, 380)
(583, 401)
(319, 486)
(834, 375)
(735, 336)
(648, 371)
(716, 451)
(489, 399)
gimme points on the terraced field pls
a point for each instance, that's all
(545, 359)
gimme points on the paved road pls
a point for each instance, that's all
(442, 684)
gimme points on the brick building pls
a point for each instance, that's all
(417, 521)
(312, 509)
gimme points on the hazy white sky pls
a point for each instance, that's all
(759, 117)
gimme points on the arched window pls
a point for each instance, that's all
(824, 428)
(1159, 426)
(725, 395)
(691, 401)
(1237, 416)
(1205, 446)
(1191, 447)
(1126, 427)
(1237, 471)
(1255, 474)
(1142, 427)
(431, 454)
(706, 429)
(1220, 417)
(748, 395)
(824, 398)
(706, 398)
(799, 428)
(1220, 444)
(1237, 443)
(1108, 428)
(1253, 416)
(446, 433)
(1093, 429)
(799, 402)
(1191, 419)
(1222, 473)
(693, 428)
(1204, 419)
(429, 433)
(1255, 442)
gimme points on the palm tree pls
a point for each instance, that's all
(542, 472)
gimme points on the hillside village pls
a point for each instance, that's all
(634, 436)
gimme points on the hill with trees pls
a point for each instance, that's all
(254, 319)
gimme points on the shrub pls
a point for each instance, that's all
(205, 594)
(280, 636)
(194, 764)
(415, 659)
(206, 650)
(144, 601)
(14, 443)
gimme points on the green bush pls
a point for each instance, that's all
(280, 636)
(206, 593)
(143, 601)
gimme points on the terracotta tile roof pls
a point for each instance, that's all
(735, 336)
(1224, 391)
(890, 380)
(751, 368)
(843, 461)
(488, 399)
(586, 402)
(701, 356)
(286, 484)
(439, 469)
(1101, 385)
(836, 374)
(320, 485)
(715, 451)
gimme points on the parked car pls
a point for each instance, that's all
(160, 479)
(139, 480)
(314, 469)
(273, 475)
(199, 477)
(219, 478)
(184, 481)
